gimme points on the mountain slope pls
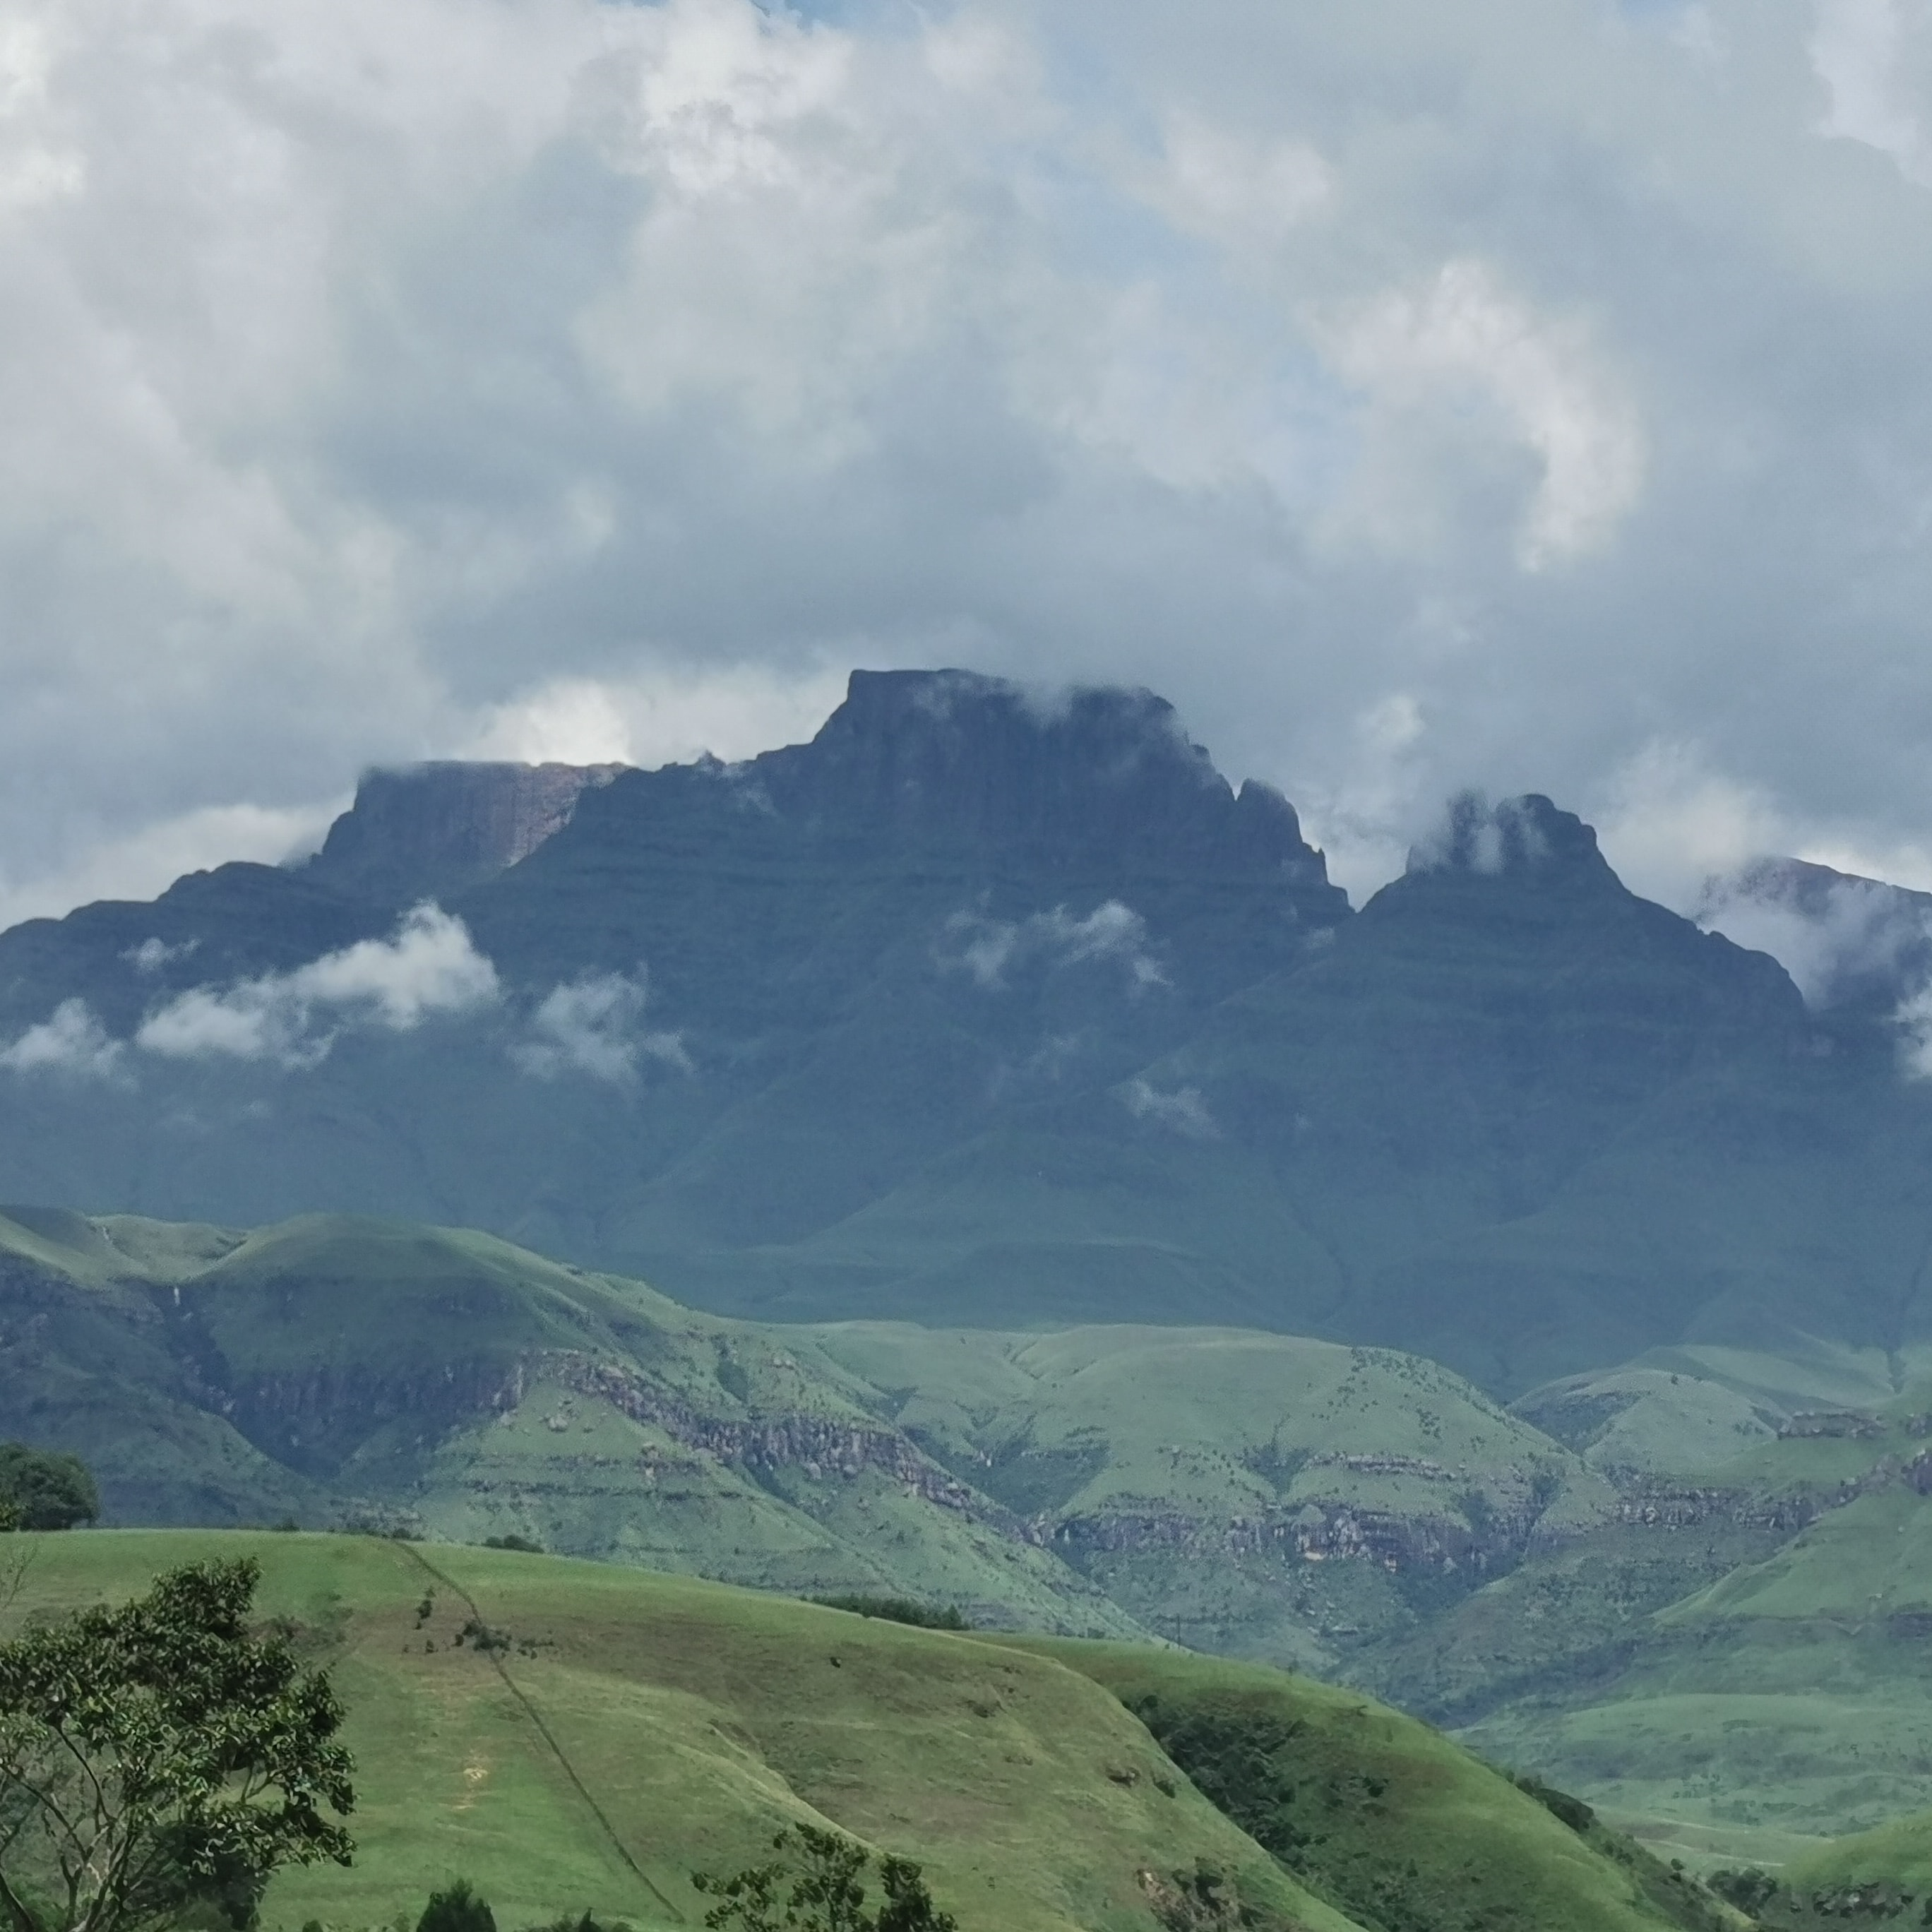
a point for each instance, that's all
(986, 1009)
(623, 1729)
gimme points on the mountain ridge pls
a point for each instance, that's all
(990, 1007)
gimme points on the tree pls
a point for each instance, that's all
(458, 1908)
(40, 1488)
(158, 1753)
(827, 1894)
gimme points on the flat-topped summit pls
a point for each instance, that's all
(434, 828)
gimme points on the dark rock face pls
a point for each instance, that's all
(947, 761)
(432, 830)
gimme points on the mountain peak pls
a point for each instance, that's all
(1080, 777)
(1527, 836)
(435, 828)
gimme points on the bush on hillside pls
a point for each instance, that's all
(1749, 1889)
(513, 1542)
(40, 1488)
(456, 1908)
(1573, 1811)
(826, 1892)
(899, 1610)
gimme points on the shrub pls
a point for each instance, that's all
(1748, 1889)
(825, 1894)
(522, 1543)
(40, 1488)
(456, 1908)
(899, 1610)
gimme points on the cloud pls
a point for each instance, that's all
(594, 1026)
(430, 967)
(1112, 933)
(387, 379)
(1182, 1111)
(1835, 936)
(152, 954)
(1461, 338)
(1864, 52)
(71, 1042)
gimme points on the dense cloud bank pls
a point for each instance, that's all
(1529, 393)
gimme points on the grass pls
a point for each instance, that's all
(1397, 1824)
(614, 1730)
(639, 1726)
(1787, 1702)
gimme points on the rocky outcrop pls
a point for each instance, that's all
(428, 830)
(818, 1446)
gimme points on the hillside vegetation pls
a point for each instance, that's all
(1264, 1494)
(572, 1736)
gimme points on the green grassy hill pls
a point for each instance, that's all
(629, 1727)
(1786, 1702)
(1280, 1497)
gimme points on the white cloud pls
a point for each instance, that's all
(1240, 192)
(672, 715)
(1460, 337)
(595, 1026)
(430, 967)
(988, 948)
(1865, 52)
(153, 953)
(1914, 1021)
(1860, 929)
(147, 861)
(71, 1042)
(399, 378)
(1182, 1110)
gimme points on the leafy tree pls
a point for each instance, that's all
(158, 1754)
(825, 1894)
(42, 1489)
(899, 1610)
(457, 1909)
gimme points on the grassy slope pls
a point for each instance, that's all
(1398, 1824)
(641, 1725)
(383, 1370)
(1787, 1701)
(1098, 1426)
(677, 1724)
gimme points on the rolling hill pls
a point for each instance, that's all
(613, 1730)
(1258, 1493)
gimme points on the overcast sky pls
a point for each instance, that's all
(1526, 394)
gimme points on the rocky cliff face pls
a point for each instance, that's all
(429, 830)
(1072, 780)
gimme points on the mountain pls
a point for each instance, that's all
(994, 1009)
(1849, 942)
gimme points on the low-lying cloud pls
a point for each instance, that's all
(595, 1026)
(990, 949)
(71, 1042)
(1182, 1110)
(429, 968)
(1836, 938)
